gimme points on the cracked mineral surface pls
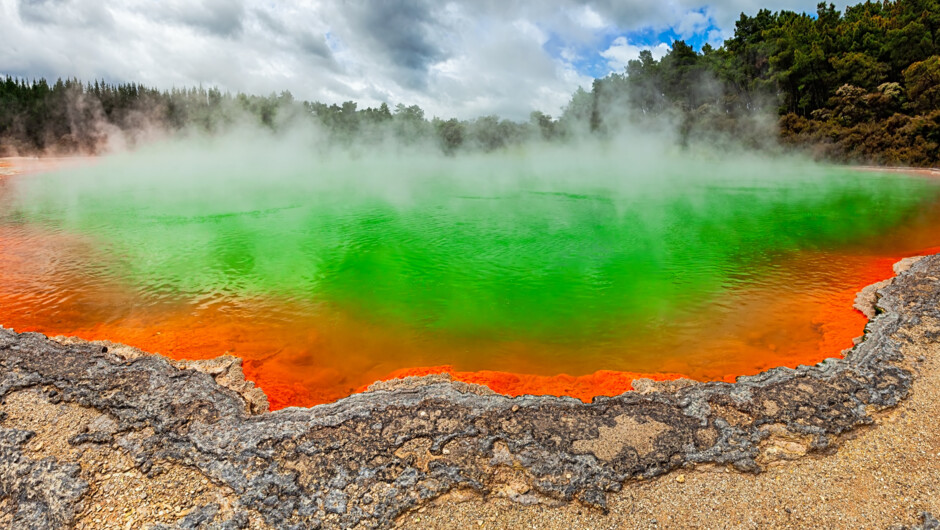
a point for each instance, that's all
(94, 435)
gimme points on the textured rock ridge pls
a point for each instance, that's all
(368, 458)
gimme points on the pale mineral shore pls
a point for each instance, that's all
(97, 435)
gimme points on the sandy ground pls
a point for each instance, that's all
(19, 165)
(921, 172)
(883, 476)
(120, 496)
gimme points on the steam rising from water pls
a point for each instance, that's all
(576, 243)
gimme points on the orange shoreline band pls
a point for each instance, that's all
(613, 383)
(584, 387)
(183, 337)
(844, 322)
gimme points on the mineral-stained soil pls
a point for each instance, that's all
(96, 436)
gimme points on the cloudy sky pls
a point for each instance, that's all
(460, 58)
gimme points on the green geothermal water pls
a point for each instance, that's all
(548, 247)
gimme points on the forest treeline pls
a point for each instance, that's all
(857, 86)
(70, 116)
(861, 85)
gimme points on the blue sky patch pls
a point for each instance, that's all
(589, 61)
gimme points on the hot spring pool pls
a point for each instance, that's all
(326, 273)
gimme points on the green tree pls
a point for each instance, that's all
(922, 80)
(450, 134)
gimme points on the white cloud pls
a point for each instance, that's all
(622, 52)
(589, 18)
(531, 31)
(691, 23)
(457, 58)
(507, 73)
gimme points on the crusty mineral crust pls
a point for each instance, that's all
(370, 457)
